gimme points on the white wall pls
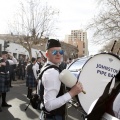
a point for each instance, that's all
(18, 49)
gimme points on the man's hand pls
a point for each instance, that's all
(76, 89)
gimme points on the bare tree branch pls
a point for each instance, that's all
(106, 24)
(32, 21)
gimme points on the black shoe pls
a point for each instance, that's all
(6, 105)
(11, 86)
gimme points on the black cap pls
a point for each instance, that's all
(33, 59)
(4, 52)
(52, 43)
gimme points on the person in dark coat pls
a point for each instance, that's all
(4, 75)
(63, 65)
(31, 77)
(21, 68)
(12, 73)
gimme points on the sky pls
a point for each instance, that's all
(73, 15)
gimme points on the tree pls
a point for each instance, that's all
(33, 21)
(106, 24)
(108, 47)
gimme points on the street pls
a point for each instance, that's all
(17, 98)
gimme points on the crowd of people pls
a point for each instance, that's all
(12, 69)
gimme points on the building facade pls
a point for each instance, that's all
(78, 38)
(17, 50)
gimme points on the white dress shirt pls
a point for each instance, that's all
(37, 66)
(34, 71)
(13, 61)
(52, 84)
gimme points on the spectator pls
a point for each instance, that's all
(4, 75)
(21, 68)
(31, 77)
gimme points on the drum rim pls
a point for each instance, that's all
(72, 63)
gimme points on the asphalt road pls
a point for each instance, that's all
(17, 98)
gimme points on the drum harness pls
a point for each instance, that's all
(44, 112)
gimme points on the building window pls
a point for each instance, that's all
(83, 45)
(83, 52)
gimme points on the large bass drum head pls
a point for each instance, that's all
(95, 75)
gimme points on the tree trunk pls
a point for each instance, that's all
(30, 53)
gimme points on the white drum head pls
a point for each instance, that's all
(95, 75)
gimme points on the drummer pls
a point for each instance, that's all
(54, 97)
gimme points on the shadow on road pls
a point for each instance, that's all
(6, 115)
(30, 113)
(17, 98)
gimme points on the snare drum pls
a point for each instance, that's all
(96, 72)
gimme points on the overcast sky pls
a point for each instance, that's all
(73, 15)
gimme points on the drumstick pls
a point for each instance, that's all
(113, 46)
(84, 92)
(118, 51)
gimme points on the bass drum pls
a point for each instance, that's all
(95, 74)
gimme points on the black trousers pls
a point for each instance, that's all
(3, 98)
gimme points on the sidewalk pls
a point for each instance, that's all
(19, 101)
